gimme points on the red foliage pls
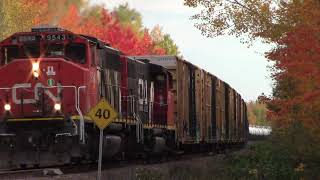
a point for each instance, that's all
(106, 28)
(297, 61)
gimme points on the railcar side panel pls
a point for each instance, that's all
(246, 123)
(238, 116)
(242, 124)
(200, 119)
(231, 113)
(214, 110)
(192, 104)
(227, 112)
(207, 107)
(171, 110)
(221, 128)
(183, 100)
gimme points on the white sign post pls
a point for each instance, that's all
(100, 154)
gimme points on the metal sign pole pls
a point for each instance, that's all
(102, 115)
(100, 154)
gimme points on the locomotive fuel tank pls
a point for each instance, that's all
(111, 145)
(159, 145)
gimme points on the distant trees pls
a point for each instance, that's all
(257, 113)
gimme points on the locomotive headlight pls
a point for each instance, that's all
(35, 69)
(57, 106)
(35, 66)
(7, 107)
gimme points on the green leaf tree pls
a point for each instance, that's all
(164, 41)
(129, 17)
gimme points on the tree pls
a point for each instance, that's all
(266, 19)
(297, 60)
(164, 41)
(17, 16)
(129, 17)
(257, 113)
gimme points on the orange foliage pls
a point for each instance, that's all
(297, 61)
(106, 28)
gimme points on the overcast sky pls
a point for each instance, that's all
(245, 69)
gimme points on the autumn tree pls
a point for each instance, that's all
(265, 19)
(18, 15)
(297, 67)
(164, 41)
(257, 113)
(129, 17)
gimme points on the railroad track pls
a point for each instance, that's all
(32, 173)
(45, 171)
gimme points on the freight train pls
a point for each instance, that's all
(50, 78)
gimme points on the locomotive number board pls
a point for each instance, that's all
(56, 37)
(29, 38)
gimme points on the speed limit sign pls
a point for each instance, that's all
(102, 114)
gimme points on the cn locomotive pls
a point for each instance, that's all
(50, 78)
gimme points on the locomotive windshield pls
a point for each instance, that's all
(31, 51)
(54, 50)
(9, 53)
(75, 52)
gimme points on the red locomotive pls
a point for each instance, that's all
(50, 78)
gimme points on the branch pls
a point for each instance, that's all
(240, 4)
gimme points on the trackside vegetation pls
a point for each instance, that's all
(291, 153)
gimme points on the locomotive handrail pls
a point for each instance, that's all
(77, 107)
(82, 126)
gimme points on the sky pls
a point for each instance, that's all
(244, 69)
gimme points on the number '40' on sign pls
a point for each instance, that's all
(103, 113)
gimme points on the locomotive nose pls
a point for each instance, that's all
(32, 88)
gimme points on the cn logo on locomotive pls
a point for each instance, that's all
(16, 100)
